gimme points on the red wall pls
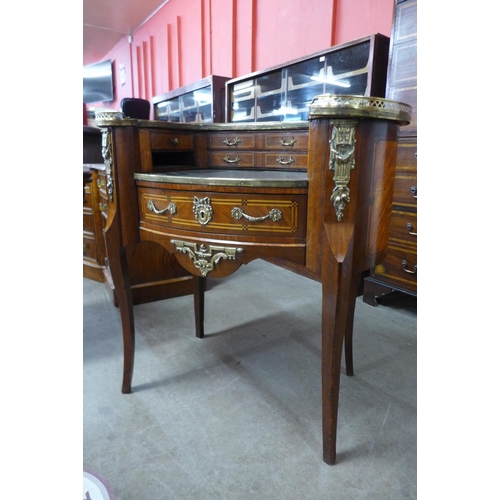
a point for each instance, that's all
(187, 40)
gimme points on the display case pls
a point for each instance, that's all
(284, 92)
(200, 102)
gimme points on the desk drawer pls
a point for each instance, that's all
(171, 141)
(232, 141)
(286, 141)
(285, 160)
(235, 159)
(224, 213)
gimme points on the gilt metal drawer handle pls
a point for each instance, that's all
(413, 191)
(205, 259)
(282, 161)
(103, 207)
(100, 183)
(175, 141)
(274, 215)
(171, 208)
(291, 142)
(231, 160)
(409, 227)
(405, 264)
(229, 142)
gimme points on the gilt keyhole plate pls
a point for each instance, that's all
(202, 210)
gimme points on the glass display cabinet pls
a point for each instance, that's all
(284, 92)
(199, 102)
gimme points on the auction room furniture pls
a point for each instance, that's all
(155, 274)
(398, 270)
(317, 195)
(284, 92)
(200, 102)
(94, 252)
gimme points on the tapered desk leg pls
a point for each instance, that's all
(348, 343)
(336, 310)
(117, 257)
(199, 305)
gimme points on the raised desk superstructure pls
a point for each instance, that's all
(312, 196)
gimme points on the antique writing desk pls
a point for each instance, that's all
(314, 197)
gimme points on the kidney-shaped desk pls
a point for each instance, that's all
(314, 197)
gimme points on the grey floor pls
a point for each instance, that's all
(237, 415)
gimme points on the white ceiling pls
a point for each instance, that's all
(106, 22)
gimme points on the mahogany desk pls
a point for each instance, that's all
(314, 197)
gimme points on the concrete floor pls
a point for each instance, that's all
(237, 415)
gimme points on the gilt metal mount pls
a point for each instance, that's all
(203, 210)
(107, 155)
(205, 259)
(342, 162)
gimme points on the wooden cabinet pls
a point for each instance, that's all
(284, 92)
(200, 102)
(398, 271)
(154, 274)
(94, 252)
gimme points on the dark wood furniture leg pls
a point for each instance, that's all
(337, 312)
(117, 256)
(199, 305)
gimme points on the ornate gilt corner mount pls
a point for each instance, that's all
(342, 148)
(205, 259)
(107, 155)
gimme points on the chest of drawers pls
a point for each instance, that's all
(398, 271)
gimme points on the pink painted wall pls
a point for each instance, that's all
(187, 40)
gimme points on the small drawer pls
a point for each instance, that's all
(171, 141)
(407, 155)
(232, 141)
(225, 213)
(403, 228)
(286, 141)
(285, 160)
(399, 267)
(235, 159)
(89, 249)
(88, 223)
(405, 189)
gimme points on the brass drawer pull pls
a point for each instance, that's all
(175, 141)
(85, 248)
(404, 263)
(103, 207)
(230, 160)
(409, 227)
(171, 208)
(228, 142)
(413, 191)
(282, 161)
(291, 142)
(274, 215)
(100, 183)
